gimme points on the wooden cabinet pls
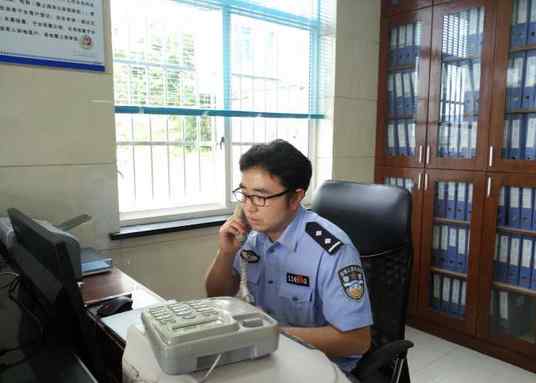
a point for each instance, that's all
(392, 7)
(467, 151)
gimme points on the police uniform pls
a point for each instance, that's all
(311, 276)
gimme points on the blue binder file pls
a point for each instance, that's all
(391, 95)
(402, 138)
(399, 94)
(501, 210)
(443, 261)
(469, 202)
(393, 47)
(436, 237)
(440, 200)
(451, 200)
(401, 45)
(411, 137)
(410, 43)
(391, 144)
(530, 137)
(514, 207)
(461, 259)
(513, 266)
(526, 208)
(515, 138)
(531, 37)
(436, 291)
(464, 138)
(502, 264)
(452, 250)
(526, 259)
(518, 37)
(455, 297)
(445, 296)
(468, 87)
(408, 96)
(417, 44)
(413, 82)
(473, 136)
(533, 276)
(461, 202)
(476, 87)
(503, 310)
(463, 296)
(453, 140)
(514, 81)
(529, 100)
(505, 149)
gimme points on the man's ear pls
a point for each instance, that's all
(296, 198)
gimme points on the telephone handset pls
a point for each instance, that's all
(243, 291)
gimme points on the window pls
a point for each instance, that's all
(196, 84)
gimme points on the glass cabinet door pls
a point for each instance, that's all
(404, 66)
(509, 288)
(451, 225)
(410, 179)
(462, 47)
(513, 142)
(391, 7)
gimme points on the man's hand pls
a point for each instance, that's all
(228, 233)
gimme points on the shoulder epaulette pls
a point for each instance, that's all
(324, 238)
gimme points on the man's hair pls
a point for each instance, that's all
(282, 160)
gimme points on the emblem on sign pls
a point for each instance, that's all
(249, 256)
(86, 42)
(353, 281)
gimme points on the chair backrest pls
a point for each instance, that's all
(377, 218)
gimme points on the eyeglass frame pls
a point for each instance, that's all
(251, 196)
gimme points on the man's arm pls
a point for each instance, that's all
(333, 342)
(220, 279)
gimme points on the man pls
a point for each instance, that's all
(302, 269)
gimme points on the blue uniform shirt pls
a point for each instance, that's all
(310, 277)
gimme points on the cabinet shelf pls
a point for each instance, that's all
(456, 59)
(454, 274)
(452, 221)
(396, 68)
(523, 49)
(513, 230)
(514, 289)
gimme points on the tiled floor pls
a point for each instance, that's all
(434, 360)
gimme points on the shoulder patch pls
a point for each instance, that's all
(352, 281)
(250, 256)
(324, 238)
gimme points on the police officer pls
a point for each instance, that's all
(302, 269)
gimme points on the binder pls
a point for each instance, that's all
(400, 182)
(468, 87)
(530, 137)
(436, 291)
(452, 250)
(411, 137)
(476, 87)
(399, 95)
(505, 149)
(391, 95)
(469, 202)
(464, 138)
(473, 130)
(391, 144)
(410, 43)
(440, 201)
(451, 200)
(503, 310)
(513, 266)
(455, 298)
(515, 138)
(461, 259)
(502, 264)
(514, 81)
(417, 44)
(463, 296)
(401, 45)
(533, 276)
(402, 138)
(529, 100)
(531, 36)
(393, 47)
(412, 76)
(496, 266)
(518, 37)
(472, 35)
(443, 262)
(526, 259)
(408, 96)
(501, 210)
(461, 201)
(436, 234)
(443, 138)
(445, 296)
(526, 208)
(513, 207)
(453, 140)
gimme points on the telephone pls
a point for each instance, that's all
(243, 291)
(199, 334)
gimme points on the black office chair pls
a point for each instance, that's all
(377, 218)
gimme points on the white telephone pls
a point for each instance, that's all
(243, 291)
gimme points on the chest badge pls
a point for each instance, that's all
(352, 281)
(250, 256)
(295, 279)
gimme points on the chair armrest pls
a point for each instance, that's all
(372, 361)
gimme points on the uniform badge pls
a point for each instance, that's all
(353, 281)
(324, 238)
(249, 256)
(295, 279)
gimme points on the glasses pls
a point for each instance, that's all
(256, 200)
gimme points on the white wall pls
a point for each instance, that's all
(57, 154)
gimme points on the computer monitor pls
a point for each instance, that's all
(41, 258)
